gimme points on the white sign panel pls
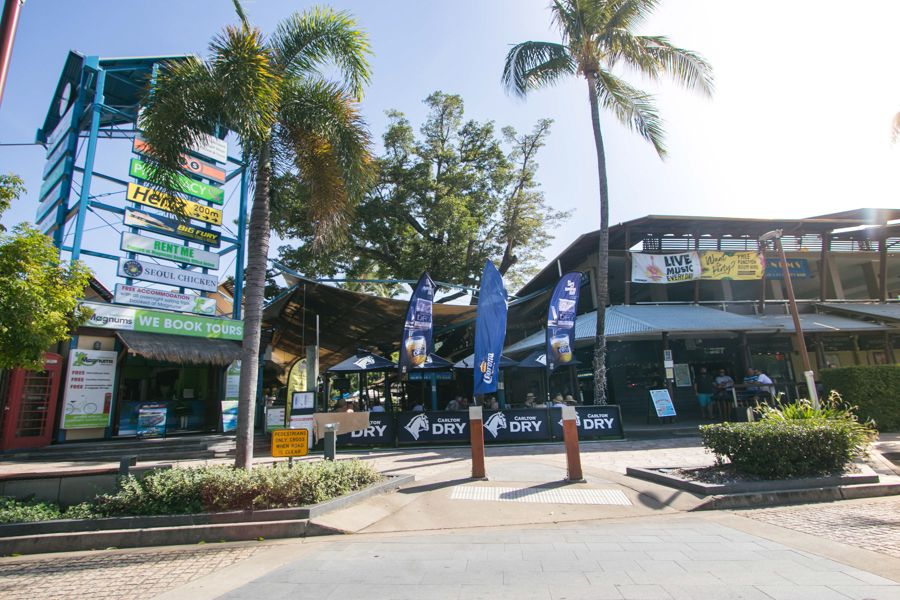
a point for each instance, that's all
(665, 268)
(211, 147)
(62, 128)
(90, 381)
(132, 242)
(233, 381)
(137, 269)
(164, 299)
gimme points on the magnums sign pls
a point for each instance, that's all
(173, 204)
(141, 170)
(173, 251)
(144, 271)
(172, 228)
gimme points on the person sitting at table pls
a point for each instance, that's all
(455, 404)
(723, 394)
(378, 407)
(493, 404)
(417, 407)
(570, 401)
(558, 401)
(752, 390)
(529, 400)
(342, 406)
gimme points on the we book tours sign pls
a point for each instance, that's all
(127, 318)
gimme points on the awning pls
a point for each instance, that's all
(363, 362)
(882, 312)
(434, 363)
(469, 361)
(180, 349)
(821, 323)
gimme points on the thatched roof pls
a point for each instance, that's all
(180, 349)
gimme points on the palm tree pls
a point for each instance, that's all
(291, 122)
(598, 40)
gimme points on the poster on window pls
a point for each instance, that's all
(90, 381)
(664, 268)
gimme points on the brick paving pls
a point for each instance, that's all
(113, 575)
(872, 524)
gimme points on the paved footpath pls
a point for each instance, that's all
(522, 534)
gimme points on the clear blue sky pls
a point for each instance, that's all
(799, 124)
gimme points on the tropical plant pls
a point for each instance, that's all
(291, 121)
(38, 293)
(599, 40)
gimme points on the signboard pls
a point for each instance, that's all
(737, 266)
(151, 420)
(233, 381)
(188, 163)
(53, 159)
(51, 201)
(592, 422)
(290, 442)
(137, 269)
(126, 318)
(173, 204)
(683, 375)
(229, 415)
(90, 382)
(53, 178)
(664, 268)
(211, 147)
(380, 432)
(662, 403)
(141, 170)
(430, 376)
(132, 242)
(303, 401)
(172, 227)
(164, 299)
(274, 418)
(797, 267)
(432, 427)
(61, 129)
(516, 425)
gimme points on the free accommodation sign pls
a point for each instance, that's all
(138, 269)
(164, 299)
(131, 242)
(129, 318)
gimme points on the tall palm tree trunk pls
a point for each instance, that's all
(602, 250)
(255, 283)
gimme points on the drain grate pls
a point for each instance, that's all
(540, 495)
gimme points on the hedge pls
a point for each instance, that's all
(875, 390)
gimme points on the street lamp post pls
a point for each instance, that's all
(808, 373)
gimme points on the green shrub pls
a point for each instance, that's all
(792, 440)
(875, 390)
(24, 511)
(221, 488)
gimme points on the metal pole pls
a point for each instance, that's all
(808, 373)
(8, 25)
(91, 62)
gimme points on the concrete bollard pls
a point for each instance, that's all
(476, 434)
(570, 437)
(330, 449)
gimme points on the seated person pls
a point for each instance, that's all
(558, 401)
(570, 401)
(417, 407)
(493, 404)
(342, 406)
(529, 400)
(378, 407)
(455, 404)
(752, 389)
(766, 386)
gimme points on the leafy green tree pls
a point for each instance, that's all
(38, 294)
(292, 123)
(445, 200)
(598, 41)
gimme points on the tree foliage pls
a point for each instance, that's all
(445, 200)
(38, 294)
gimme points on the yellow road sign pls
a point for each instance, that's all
(290, 442)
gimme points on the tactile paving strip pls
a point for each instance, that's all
(539, 495)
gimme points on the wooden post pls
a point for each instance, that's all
(627, 266)
(476, 435)
(882, 267)
(823, 267)
(570, 438)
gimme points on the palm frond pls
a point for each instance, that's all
(321, 130)
(304, 42)
(243, 70)
(625, 14)
(531, 65)
(245, 22)
(687, 67)
(632, 107)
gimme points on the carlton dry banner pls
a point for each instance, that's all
(432, 427)
(132, 242)
(690, 266)
(380, 432)
(416, 345)
(172, 227)
(490, 330)
(145, 271)
(127, 318)
(164, 299)
(561, 314)
(173, 204)
(141, 170)
(90, 382)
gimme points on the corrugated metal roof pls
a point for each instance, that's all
(820, 323)
(650, 321)
(889, 312)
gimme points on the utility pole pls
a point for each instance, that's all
(9, 22)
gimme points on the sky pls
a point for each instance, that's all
(799, 124)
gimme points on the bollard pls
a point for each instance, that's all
(125, 463)
(330, 441)
(476, 433)
(570, 437)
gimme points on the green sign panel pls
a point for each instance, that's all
(131, 242)
(185, 184)
(128, 318)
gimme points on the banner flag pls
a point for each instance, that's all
(416, 344)
(561, 321)
(490, 330)
(664, 268)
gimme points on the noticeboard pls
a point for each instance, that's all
(662, 402)
(290, 442)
